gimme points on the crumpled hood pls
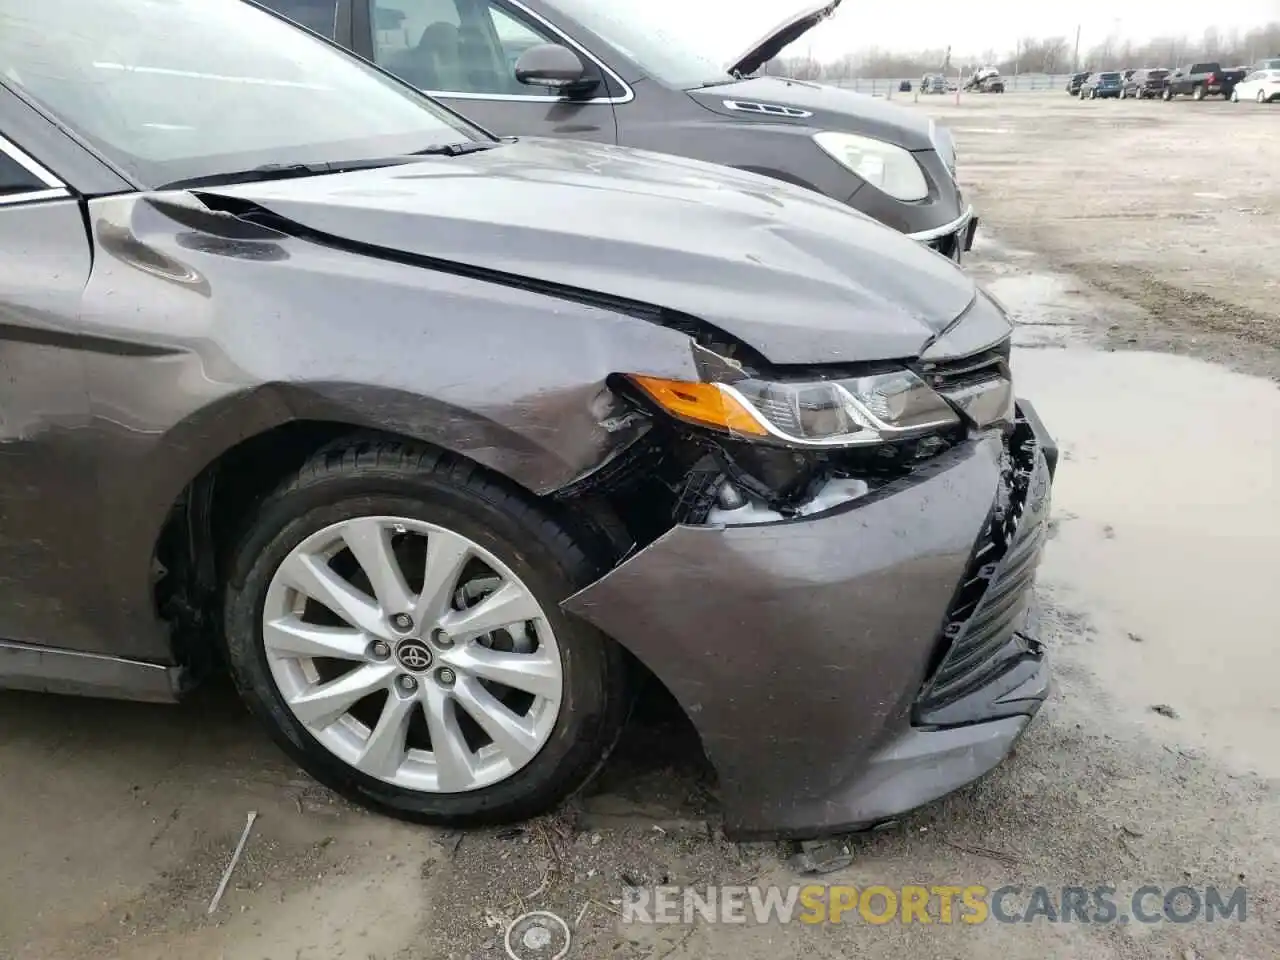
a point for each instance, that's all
(801, 278)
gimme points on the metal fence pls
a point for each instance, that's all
(888, 87)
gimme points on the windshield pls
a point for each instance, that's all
(641, 34)
(1108, 76)
(1157, 74)
(175, 89)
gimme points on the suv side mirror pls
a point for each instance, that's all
(556, 67)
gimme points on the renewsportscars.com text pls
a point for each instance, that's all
(942, 904)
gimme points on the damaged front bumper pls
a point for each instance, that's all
(844, 668)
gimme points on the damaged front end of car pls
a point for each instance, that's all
(832, 568)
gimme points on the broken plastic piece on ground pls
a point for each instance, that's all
(819, 856)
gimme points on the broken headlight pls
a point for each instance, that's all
(851, 412)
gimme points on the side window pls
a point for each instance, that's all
(16, 179)
(319, 16)
(514, 37)
(454, 46)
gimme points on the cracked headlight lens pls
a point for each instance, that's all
(858, 411)
(886, 167)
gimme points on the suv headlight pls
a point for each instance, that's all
(857, 411)
(886, 167)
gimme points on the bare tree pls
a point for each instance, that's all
(1044, 55)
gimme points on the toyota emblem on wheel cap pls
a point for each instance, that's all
(413, 655)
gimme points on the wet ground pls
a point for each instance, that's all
(1173, 207)
(1154, 763)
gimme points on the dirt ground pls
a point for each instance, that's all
(1173, 207)
(1106, 225)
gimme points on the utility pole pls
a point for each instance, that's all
(1076, 61)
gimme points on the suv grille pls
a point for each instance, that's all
(946, 245)
(997, 588)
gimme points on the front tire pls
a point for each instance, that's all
(1197, 93)
(1262, 96)
(1167, 95)
(392, 616)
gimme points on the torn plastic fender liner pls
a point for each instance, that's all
(796, 648)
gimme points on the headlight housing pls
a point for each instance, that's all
(886, 167)
(852, 412)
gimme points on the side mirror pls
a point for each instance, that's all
(555, 67)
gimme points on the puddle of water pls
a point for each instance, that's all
(1169, 538)
(1029, 296)
(1049, 309)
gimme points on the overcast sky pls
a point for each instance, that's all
(725, 27)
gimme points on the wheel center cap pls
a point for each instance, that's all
(414, 655)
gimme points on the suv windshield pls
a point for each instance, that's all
(640, 33)
(1108, 76)
(170, 90)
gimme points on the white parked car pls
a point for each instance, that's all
(1261, 85)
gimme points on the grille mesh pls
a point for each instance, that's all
(997, 588)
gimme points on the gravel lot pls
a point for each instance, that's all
(1137, 226)
(1173, 207)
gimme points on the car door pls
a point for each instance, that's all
(464, 52)
(48, 490)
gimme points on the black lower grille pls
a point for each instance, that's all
(946, 245)
(997, 588)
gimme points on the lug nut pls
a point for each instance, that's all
(380, 649)
(402, 621)
(446, 676)
(408, 684)
(442, 639)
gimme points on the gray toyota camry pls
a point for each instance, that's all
(443, 443)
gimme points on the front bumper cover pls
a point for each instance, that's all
(951, 239)
(800, 649)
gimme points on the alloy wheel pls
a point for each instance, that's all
(413, 654)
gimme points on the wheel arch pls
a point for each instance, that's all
(222, 463)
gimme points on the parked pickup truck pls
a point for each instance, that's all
(1201, 80)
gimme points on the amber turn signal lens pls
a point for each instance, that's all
(701, 403)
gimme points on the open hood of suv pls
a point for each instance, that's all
(772, 43)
